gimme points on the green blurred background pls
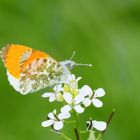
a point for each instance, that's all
(104, 33)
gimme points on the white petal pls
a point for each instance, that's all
(63, 116)
(58, 88)
(51, 116)
(99, 92)
(68, 98)
(86, 90)
(78, 99)
(78, 79)
(73, 85)
(47, 94)
(58, 125)
(52, 98)
(71, 77)
(79, 109)
(87, 102)
(97, 103)
(99, 125)
(66, 108)
(54, 111)
(47, 123)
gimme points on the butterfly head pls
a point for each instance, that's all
(71, 64)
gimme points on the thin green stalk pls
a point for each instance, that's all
(77, 120)
(99, 136)
(64, 136)
(108, 122)
(77, 128)
(83, 132)
(61, 135)
(77, 134)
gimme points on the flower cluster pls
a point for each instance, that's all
(74, 99)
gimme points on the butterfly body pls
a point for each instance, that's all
(30, 70)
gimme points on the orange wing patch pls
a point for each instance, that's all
(35, 55)
(17, 57)
(12, 54)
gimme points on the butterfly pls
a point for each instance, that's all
(30, 70)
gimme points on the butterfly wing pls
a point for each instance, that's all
(39, 73)
(29, 70)
(11, 55)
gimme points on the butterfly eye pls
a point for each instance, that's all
(70, 66)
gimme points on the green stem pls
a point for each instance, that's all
(77, 121)
(108, 122)
(64, 136)
(83, 132)
(77, 129)
(61, 135)
(77, 134)
(99, 136)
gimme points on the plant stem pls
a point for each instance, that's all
(108, 122)
(83, 132)
(99, 137)
(64, 136)
(77, 121)
(77, 134)
(61, 135)
(77, 129)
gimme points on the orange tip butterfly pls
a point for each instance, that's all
(30, 70)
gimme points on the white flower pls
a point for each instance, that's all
(56, 95)
(72, 78)
(72, 81)
(73, 103)
(99, 125)
(56, 121)
(98, 93)
(92, 97)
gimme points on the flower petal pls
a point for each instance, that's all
(99, 92)
(58, 88)
(66, 109)
(78, 79)
(54, 111)
(58, 125)
(78, 99)
(99, 125)
(51, 116)
(97, 102)
(78, 109)
(63, 116)
(86, 102)
(86, 90)
(73, 85)
(71, 77)
(68, 98)
(47, 123)
(52, 98)
(47, 94)
(59, 97)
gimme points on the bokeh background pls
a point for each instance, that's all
(104, 33)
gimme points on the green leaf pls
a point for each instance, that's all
(91, 136)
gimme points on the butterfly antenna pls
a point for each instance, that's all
(86, 65)
(73, 54)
